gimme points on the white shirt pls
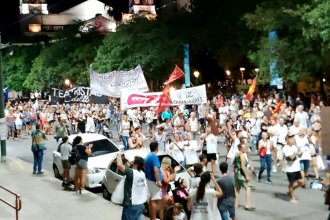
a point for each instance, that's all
(294, 129)
(303, 146)
(211, 144)
(207, 208)
(193, 124)
(176, 152)
(190, 152)
(291, 166)
(302, 117)
(282, 133)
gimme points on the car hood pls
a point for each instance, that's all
(101, 161)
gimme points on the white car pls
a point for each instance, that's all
(113, 175)
(102, 152)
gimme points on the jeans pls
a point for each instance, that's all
(263, 162)
(37, 163)
(132, 212)
(125, 142)
(227, 208)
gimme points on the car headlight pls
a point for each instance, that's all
(95, 170)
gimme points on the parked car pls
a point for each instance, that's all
(102, 152)
(113, 175)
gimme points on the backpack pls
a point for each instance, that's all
(74, 156)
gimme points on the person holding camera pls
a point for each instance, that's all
(291, 154)
(38, 147)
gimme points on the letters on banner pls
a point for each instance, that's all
(77, 94)
(113, 83)
(190, 96)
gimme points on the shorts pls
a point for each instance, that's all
(82, 164)
(202, 121)
(293, 176)
(211, 157)
(240, 181)
(66, 164)
(11, 128)
(304, 165)
(155, 121)
(155, 192)
(151, 124)
(18, 126)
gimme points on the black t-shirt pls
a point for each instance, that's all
(262, 125)
(81, 151)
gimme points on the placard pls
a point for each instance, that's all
(76, 95)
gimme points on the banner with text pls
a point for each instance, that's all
(76, 94)
(113, 83)
(190, 96)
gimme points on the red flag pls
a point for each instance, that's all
(252, 89)
(176, 74)
(164, 100)
(278, 107)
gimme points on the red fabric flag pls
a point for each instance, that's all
(278, 107)
(164, 100)
(176, 74)
(252, 89)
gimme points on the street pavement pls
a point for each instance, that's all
(44, 198)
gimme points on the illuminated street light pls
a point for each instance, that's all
(324, 80)
(196, 73)
(228, 72)
(172, 89)
(257, 70)
(67, 82)
(242, 69)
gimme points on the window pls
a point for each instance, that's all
(103, 146)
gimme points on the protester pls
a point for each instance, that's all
(226, 203)
(292, 169)
(124, 131)
(38, 148)
(83, 152)
(242, 177)
(135, 188)
(266, 159)
(65, 149)
(202, 202)
(154, 181)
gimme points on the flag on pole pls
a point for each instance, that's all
(278, 107)
(176, 74)
(164, 100)
(252, 89)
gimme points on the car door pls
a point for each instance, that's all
(112, 176)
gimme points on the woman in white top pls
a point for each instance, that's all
(18, 122)
(211, 147)
(202, 202)
(192, 124)
(90, 125)
(124, 131)
(176, 149)
(265, 144)
(160, 138)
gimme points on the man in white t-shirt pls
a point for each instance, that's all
(302, 116)
(302, 144)
(291, 153)
(294, 129)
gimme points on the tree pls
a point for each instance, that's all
(295, 52)
(17, 65)
(69, 56)
(143, 42)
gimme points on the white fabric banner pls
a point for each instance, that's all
(113, 83)
(190, 96)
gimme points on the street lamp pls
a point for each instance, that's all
(242, 69)
(228, 73)
(196, 73)
(3, 126)
(256, 70)
(67, 82)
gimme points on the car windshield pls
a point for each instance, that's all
(103, 146)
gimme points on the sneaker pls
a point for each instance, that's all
(34, 173)
(269, 181)
(274, 169)
(40, 173)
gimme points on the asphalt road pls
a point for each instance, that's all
(271, 201)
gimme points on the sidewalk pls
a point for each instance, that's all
(44, 198)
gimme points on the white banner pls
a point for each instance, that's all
(190, 96)
(113, 83)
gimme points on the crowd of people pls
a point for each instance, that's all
(284, 132)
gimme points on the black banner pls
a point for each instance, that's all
(76, 95)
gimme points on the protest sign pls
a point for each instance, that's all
(113, 83)
(76, 94)
(189, 96)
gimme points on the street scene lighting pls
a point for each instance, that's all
(196, 73)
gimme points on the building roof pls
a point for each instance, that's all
(56, 6)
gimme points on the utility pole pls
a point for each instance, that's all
(3, 126)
